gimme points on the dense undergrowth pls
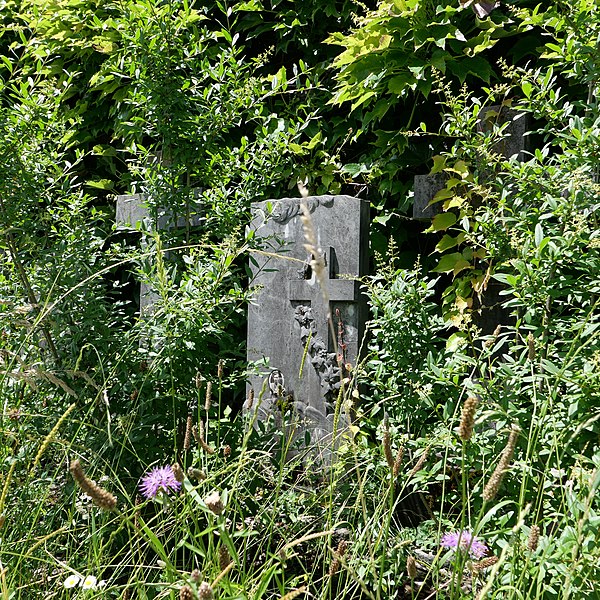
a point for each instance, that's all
(471, 463)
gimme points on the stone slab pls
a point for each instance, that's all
(133, 215)
(288, 324)
(515, 144)
(425, 188)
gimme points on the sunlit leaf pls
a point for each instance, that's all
(442, 221)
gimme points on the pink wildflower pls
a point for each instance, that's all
(159, 479)
(465, 541)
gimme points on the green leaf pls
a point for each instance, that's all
(442, 221)
(361, 100)
(104, 150)
(539, 234)
(475, 65)
(101, 184)
(314, 141)
(448, 262)
(455, 202)
(401, 83)
(354, 169)
(456, 341)
(527, 88)
(550, 367)
(382, 219)
(449, 241)
(461, 265)
(443, 194)
(461, 168)
(252, 6)
(7, 63)
(438, 60)
(439, 164)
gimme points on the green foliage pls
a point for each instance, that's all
(531, 226)
(406, 339)
(386, 73)
(204, 108)
(52, 237)
(399, 45)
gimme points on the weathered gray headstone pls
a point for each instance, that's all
(513, 143)
(288, 327)
(425, 188)
(134, 215)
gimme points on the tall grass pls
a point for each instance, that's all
(504, 461)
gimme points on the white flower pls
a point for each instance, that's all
(89, 583)
(71, 581)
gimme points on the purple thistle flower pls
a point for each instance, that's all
(160, 479)
(466, 541)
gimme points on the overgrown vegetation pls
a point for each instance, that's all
(471, 464)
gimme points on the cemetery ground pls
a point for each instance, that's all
(211, 390)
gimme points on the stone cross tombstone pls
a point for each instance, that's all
(133, 215)
(289, 335)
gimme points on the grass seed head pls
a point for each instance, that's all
(250, 400)
(467, 418)
(411, 567)
(208, 399)
(188, 433)
(317, 262)
(534, 538)
(398, 462)
(493, 485)
(208, 449)
(100, 497)
(196, 474)
(531, 346)
(214, 503)
(205, 592)
(224, 558)
(420, 463)
(178, 472)
(198, 380)
(334, 567)
(294, 593)
(339, 552)
(486, 563)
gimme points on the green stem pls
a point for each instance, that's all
(31, 297)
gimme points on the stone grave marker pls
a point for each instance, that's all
(289, 335)
(133, 215)
(489, 312)
(425, 188)
(514, 143)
